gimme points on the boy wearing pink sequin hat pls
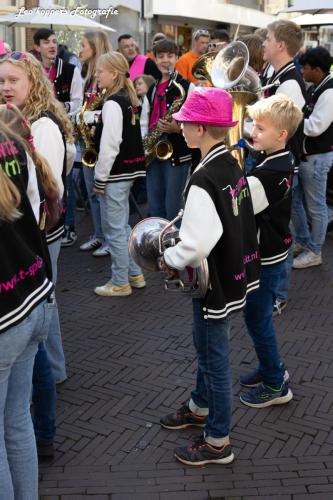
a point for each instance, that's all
(218, 224)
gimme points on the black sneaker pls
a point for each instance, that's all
(69, 237)
(264, 395)
(182, 418)
(200, 452)
(278, 307)
(254, 379)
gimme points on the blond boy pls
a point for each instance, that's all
(275, 121)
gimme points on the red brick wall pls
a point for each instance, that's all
(29, 32)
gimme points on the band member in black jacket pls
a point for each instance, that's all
(166, 177)
(310, 199)
(275, 120)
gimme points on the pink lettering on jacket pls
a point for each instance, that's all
(138, 159)
(8, 148)
(22, 274)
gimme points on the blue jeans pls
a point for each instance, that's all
(282, 292)
(71, 201)
(94, 200)
(53, 344)
(165, 186)
(18, 457)
(310, 201)
(115, 212)
(213, 389)
(43, 397)
(258, 315)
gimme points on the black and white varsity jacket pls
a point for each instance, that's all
(291, 84)
(118, 142)
(219, 224)
(318, 123)
(181, 153)
(25, 269)
(68, 85)
(57, 231)
(270, 185)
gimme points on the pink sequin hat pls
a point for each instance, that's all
(207, 106)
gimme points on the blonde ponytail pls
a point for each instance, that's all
(21, 130)
(10, 199)
(116, 62)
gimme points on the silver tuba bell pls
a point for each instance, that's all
(147, 243)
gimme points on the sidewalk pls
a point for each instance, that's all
(130, 360)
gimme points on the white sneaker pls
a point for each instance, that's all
(92, 244)
(69, 237)
(307, 259)
(111, 290)
(102, 251)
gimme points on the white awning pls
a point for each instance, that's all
(212, 10)
(309, 6)
(313, 20)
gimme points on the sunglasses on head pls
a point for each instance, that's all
(17, 56)
(198, 33)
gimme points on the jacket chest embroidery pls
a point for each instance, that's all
(237, 194)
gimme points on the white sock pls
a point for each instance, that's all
(217, 442)
(201, 412)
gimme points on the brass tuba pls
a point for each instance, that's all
(228, 69)
(89, 156)
(202, 68)
(152, 145)
(147, 243)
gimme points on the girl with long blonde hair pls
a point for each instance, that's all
(120, 161)
(14, 119)
(25, 290)
(24, 84)
(93, 45)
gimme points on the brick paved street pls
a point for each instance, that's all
(130, 360)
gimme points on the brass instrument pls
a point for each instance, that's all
(202, 68)
(229, 70)
(147, 243)
(89, 156)
(162, 149)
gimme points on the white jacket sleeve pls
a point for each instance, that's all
(144, 118)
(292, 90)
(48, 142)
(258, 195)
(32, 189)
(200, 230)
(70, 156)
(110, 142)
(76, 92)
(321, 116)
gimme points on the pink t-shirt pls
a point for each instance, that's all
(51, 74)
(159, 104)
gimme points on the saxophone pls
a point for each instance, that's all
(162, 149)
(89, 156)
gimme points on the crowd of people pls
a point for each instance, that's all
(87, 129)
